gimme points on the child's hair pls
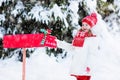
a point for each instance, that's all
(90, 33)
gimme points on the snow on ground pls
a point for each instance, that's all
(39, 67)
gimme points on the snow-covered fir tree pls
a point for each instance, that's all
(63, 17)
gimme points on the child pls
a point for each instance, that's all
(87, 23)
(79, 66)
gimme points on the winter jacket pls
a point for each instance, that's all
(80, 54)
(82, 43)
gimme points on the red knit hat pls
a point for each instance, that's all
(91, 19)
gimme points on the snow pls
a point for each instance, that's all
(35, 12)
(19, 7)
(73, 7)
(58, 14)
(2, 18)
(91, 5)
(104, 0)
(2, 32)
(56, 10)
(116, 3)
(39, 67)
(2, 1)
(45, 15)
(113, 20)
(111, 7)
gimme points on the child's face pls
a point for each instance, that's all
(85, 26)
